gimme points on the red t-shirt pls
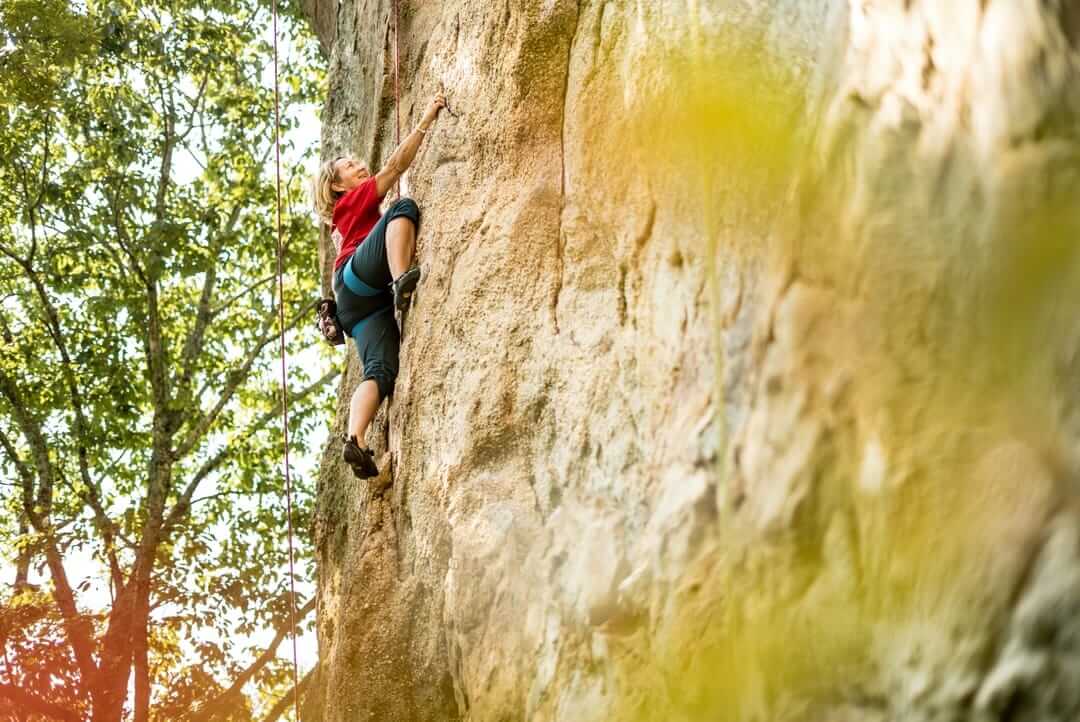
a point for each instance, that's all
(355, 214)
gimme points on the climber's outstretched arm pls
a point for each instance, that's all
(404, 154)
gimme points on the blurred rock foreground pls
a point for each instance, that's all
(742, 380)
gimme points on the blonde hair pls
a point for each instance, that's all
(322, 191)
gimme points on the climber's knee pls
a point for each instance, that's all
(383, 375)
(404, 208)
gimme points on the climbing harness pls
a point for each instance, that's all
(284, 369)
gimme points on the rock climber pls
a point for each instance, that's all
(373, 272)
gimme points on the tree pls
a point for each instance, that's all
(138, 408)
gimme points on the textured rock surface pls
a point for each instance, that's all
(666, 445)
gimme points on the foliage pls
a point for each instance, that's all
(32, 636)
(138, 401)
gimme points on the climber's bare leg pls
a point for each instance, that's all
(362, 408)
(400, 245)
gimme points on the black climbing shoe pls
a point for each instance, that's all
(404, 286)
(361, 460)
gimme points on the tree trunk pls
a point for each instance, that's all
(22, 562)
(140, 657)
(110, 689)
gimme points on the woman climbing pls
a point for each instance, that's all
(373, 272)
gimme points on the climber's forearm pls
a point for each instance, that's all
(405, 153)
(399, 161)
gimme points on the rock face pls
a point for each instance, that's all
(742, 379)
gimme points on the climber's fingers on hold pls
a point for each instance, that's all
(439, 103)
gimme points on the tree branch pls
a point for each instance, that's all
(209, 710)
(219, 495)
(22, 564)
(76, 626)
(183, 504)
(235, 378)
(193, 346)
(195, 105)
(33, 207)
(287, 699)
(92, 495)
(123, 239)
(157, 351)
(165, 174)
(241, 293)
(39, 508)
(20, 465)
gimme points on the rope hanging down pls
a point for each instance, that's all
(284, 370)
(281, 315)
(397, 90)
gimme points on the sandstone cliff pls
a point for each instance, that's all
(742, 380)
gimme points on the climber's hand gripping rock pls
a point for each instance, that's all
(405, 153)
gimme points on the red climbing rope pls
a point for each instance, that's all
(397, 89)
(284, 370)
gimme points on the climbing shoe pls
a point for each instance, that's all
(362, 461)
(404, 286)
